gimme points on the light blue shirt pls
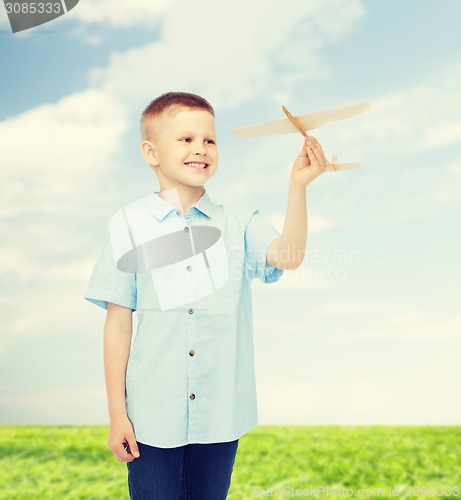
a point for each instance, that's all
(190, 375)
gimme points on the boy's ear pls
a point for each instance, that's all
(149, 152)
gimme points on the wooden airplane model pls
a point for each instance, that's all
(302, 123)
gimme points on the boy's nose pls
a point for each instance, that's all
(202, 152)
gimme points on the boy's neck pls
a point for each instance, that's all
(182, 197)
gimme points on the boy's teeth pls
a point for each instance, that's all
(197, 165)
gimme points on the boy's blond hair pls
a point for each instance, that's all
(170, 103)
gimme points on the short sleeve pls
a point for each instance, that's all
(109, 284)
(259, 235)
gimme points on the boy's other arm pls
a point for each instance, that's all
(118, 330)
(287, 252)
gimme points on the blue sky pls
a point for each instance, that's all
(367, 330)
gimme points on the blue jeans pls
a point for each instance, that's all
(189, 472)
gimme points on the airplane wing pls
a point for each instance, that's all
(334, 165)
(308, 122)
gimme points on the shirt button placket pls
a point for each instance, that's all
(193, 394)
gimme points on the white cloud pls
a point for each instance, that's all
(4, 22)
(50, 152)
(409, 318)
(446, 188)
(410, 327)
(360, 402)
(119, 13)
(412, 120)
(77, 406)
(347, 306)
(221, 51)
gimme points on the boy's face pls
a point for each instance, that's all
(184, 150)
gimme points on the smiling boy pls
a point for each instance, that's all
(183, 394)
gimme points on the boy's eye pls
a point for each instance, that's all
(188, 139)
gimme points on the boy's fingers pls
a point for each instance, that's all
(133, 447)
(303, 151)
(316, 163)
(311, 153)
(120, 453)
(315, 144)
(315, 152)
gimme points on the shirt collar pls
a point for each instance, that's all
(160, 208)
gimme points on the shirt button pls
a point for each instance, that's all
(186, 229)
(190, 311)
(189, 268)
(192, 396)
(179, 212)
(191, 352)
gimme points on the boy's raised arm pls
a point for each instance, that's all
(287, 252)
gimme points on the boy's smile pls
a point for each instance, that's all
(184, 151)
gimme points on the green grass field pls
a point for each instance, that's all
(57, 463)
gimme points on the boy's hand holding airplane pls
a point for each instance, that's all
(309, 164)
